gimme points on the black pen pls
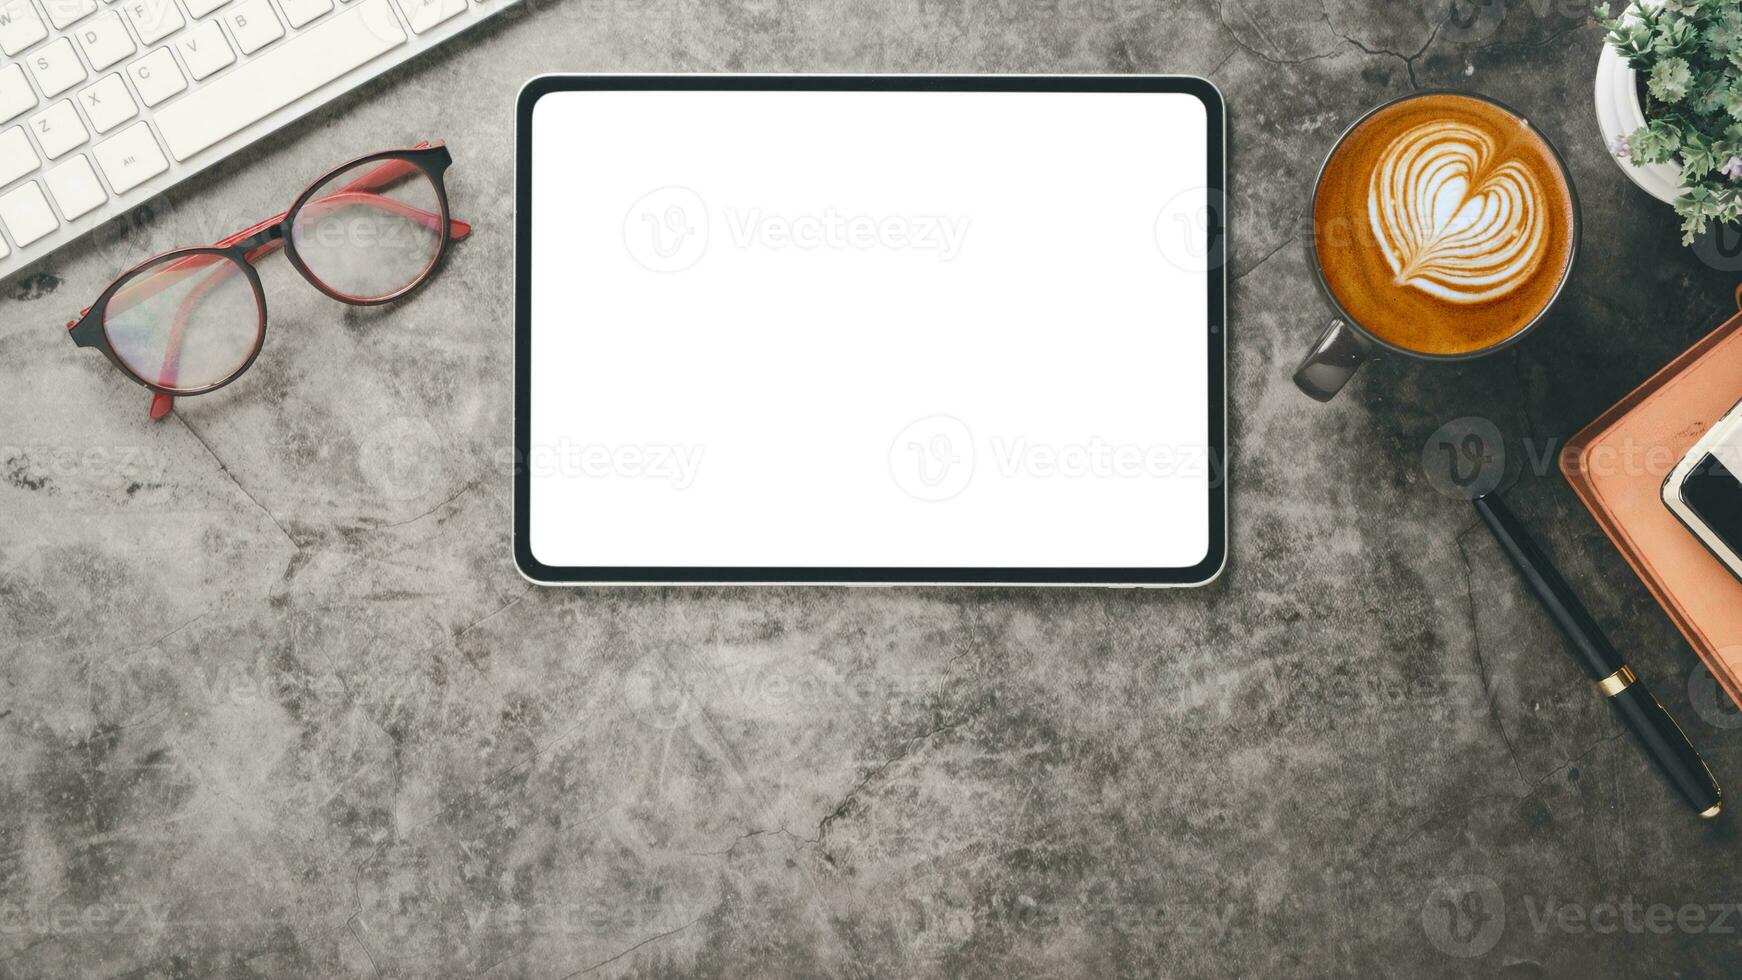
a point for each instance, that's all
(1662, 738)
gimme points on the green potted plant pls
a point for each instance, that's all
(1669, 99)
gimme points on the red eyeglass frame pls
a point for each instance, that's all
(247, 246)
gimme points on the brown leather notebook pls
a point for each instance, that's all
(1618, 464)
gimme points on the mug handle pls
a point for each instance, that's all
(1332, 361)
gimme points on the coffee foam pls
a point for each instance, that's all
(1444, 224)
(1451, 222)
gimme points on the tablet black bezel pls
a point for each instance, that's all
(1215, 179)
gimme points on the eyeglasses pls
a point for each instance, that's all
(192, 320)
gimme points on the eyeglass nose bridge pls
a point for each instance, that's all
(265, 236)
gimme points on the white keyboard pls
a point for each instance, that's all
(105, 103)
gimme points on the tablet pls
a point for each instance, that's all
(870, 330)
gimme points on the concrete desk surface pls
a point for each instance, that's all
(274, 701)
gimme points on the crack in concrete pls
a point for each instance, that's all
(1255, 27)
(351, 927)
(1225, 59)
(468, 488)
(510, 605)
(840, 809)
(1584, 754)
(1482, 662)
(644, 942)
(178, 629)
(1408, 60)
(1461, 809)
(1530, 45)
(800, 842)
(1267, 257)
(1279, 62)
(226, 471)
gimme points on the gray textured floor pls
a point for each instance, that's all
(275, 703)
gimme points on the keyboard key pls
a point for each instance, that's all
(204, 49)
(65, 13)
(108, 103)
(276, 79)
(425, 14)
(157, 76)
(27, 215)
(74, 186)
(130, 158)
(4, 251)
(58, 129)
(200, 8)
(105, 40)
(254, 24)
(17, 156)
(57, 68)
(20, 27)
(153, 19)
(301, 12)
(16, 94)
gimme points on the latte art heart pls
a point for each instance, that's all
(1452, 220)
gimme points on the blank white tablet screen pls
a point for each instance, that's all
(869, 329)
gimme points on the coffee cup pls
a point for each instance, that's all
(1445, 227)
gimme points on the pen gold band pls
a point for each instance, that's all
(1617, 682)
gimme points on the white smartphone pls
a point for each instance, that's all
(1705, 490)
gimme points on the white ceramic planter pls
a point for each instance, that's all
(1619, 114)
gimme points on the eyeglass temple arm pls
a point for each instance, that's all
(359, 191)
(160, 402)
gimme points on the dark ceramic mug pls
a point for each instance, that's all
(1345, 344)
